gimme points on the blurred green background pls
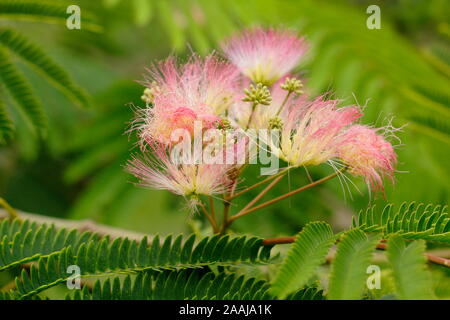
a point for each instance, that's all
(75, 170)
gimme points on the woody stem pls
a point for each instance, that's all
(259, 183)
(381, 246)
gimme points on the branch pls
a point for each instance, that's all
(381, 246)
(237, 194)
(289, 194)
(245, 210)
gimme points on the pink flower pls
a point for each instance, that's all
(311, 131)
(160, 172)
(265, 55)
(206, 84)
(200, 90)
(367, 154)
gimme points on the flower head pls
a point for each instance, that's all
(199, 90)
(367, 154)
(311, 131)
(162, 172)
(265, 55)
(208, 83)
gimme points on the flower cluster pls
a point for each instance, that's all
(253, 88)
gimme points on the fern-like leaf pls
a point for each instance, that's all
(185, 284)
(348, 273)
(21, 91)
(38, 59)
(306, 254)
(56, 250)
(26, 242)
(43, 12)
(412, 279)
(431, 223)
(6, 124)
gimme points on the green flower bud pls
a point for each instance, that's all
(258, 94)
(292, 85)
(275, 123)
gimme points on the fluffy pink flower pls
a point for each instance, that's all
(265, 55)
(200, 90)
(208, 84)
(367, 154)
(311, 131)
(161, 172)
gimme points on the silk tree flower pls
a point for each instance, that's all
(209, 83)
(311, 132)
(159, 171)
(265, 55)
(200, 90)
(368, 154)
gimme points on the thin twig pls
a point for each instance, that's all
(209, 217)
(432, 258)
(381, 246)
(258, 184)
(289, 194)
(256, 199)
(211, 207)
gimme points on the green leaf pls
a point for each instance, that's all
(411, 277)
(96, 256)
(6, 124)
(307, 252)
(348, 274)
(43, 12)
(411, 221)
(21, 91)
(39, 60)
(142, 11)
(185, 284)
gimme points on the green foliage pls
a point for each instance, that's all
(38, 59)
(6, 124)
(186, 284)
(411, 221)
(17, 85)
(412, 280)
(20, 89)
(176, 285)
(306, 254)
(398, 71)
(211, 268)
(54, 251)
(348, 274)
(25, 242)
(29, 10)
